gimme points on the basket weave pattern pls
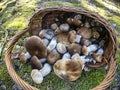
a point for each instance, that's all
(43, 19)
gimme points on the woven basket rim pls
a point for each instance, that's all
(112, 64)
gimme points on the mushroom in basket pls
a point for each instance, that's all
(35, 46)
(68, 69)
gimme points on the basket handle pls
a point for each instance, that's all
(9, 65)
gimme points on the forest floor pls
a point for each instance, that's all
(15, 16)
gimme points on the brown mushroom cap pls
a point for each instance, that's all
(72, 36)
(53, 57)
(84, 50)
(85, 32)
(97, 57)
(85, 42)
(77, 22)
(69, 21)
(68, 70)
(35, 46)
(74, 48)
(35, 63)
(23, 58)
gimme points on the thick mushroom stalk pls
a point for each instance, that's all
(35, 46)
(67, 69)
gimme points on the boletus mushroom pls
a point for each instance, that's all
(35, 46)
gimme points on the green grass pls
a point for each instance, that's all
(15, 17)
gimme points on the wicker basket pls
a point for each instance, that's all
(43, 19)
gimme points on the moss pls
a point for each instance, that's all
(15, 17)
(4, 76)
(58, 3)
(118, 56)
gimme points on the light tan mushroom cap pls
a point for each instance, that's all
(68, 70)
(85, 32)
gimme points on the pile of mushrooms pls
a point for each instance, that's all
(65, 47)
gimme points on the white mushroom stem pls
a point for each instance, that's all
(78, 38)
(86, 69)
(46, 33)
(85, 59)
(37, 76)
(64, 27)
(52, 44)
(66, 56)
(42, 33)
(92, 48)
(61, 48)
(100, 51)
(45, 41)
(43, 60)
(78, 16)
(28, 56)
(46, 69)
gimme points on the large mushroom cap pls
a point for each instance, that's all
(35, 46)
(67, 69)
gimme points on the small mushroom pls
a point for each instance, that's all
(24, 57)
(78, 16)
(95, 34)
(84, 50)
(63, 38)
(53, 57)
(37, 76)
(97, 57)
(67, 69)
(66, 56)
(58, 31)
(72, 36)
(69, 21)
(52, 44)
(54, 26)
(50, 34)
(85, 32)
(45, 41)
(35, 63)
(35, 46)
(74, 48)
(42, 33)
(61, 48)
(77, 22)
(46, 33)
(64, 27)
(90, 49)
(78, 38)
(46, 69)
(85, 42)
